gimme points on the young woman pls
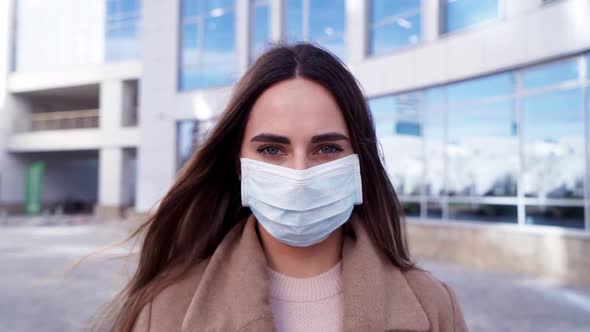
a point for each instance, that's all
(285, 219)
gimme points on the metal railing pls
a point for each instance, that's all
(64, 120)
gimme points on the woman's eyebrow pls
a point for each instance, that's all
(328, 137)
(270, 138)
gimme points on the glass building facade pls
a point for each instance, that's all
(122, 29)
(462, 14)
(322, 22)
(207, 44)
(394, 25)
(492, 147)
(259, 27)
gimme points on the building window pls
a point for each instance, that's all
(122, 29)
(207, 44)
(399, 128)
(461, 14)
(259, 28)
(394, 25)
(322, 22)
(462, 150)
(482, 145)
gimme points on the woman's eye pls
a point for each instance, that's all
(329, 149)
(270, 150)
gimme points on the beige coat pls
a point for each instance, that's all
(229, 292)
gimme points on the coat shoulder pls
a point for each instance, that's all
(167, 310)
(437, 299)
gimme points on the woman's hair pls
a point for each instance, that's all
(204, 202)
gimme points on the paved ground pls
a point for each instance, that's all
(36, 294)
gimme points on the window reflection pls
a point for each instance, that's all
(411, 209)
(553, 132)
(551, 74)
(460, 14)
(326, 23)
(483, 212)
(562, 216)
(294, 19)
(122, 30)
(207, 44)
(482, 150)
(259, 29)
(394, 24)
(434, 139)
(399, 131)
(475, 145)
(480, 88)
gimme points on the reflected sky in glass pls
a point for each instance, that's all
(213, 64)
(482, 150)
(336, 47)
(122, 30)
(326, 19)
(485, 87)
(294, 20)
(219, 39)
(189, 35)
(553, 131)
(260, 35)
(434, 131)
(553, 116)
(401, 33)
(211, 6)
(382, 111)
(551, 74)
(464, 13)
(122, 43)
(190, 8)
(398, 126)
(118, 7)
(383, 9)
(483, 120)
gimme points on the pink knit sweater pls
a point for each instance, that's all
(307, 304)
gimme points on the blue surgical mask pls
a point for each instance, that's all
(301, 207)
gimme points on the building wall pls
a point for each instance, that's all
(76, 38)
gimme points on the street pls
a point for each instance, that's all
(38, 293)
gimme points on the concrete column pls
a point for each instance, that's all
(111, 106)
(357, 20)
(432, 13)
(242, 35)
(158, 96)
(277, 14)
(110, 182)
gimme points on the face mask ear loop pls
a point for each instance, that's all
(243, 184)
(359, 181)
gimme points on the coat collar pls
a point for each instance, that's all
(233, 291)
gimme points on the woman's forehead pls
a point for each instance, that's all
(296, 106)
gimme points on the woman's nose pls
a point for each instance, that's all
(300, 162)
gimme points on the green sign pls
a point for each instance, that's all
(34, 187)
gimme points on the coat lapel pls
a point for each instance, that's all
(376, 293)
(233, 292)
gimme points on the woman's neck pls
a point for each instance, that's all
(301, 262)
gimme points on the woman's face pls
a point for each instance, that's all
(296, 124)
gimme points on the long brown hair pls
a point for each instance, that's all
(204, 202)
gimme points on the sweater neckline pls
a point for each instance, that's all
(322, 286)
